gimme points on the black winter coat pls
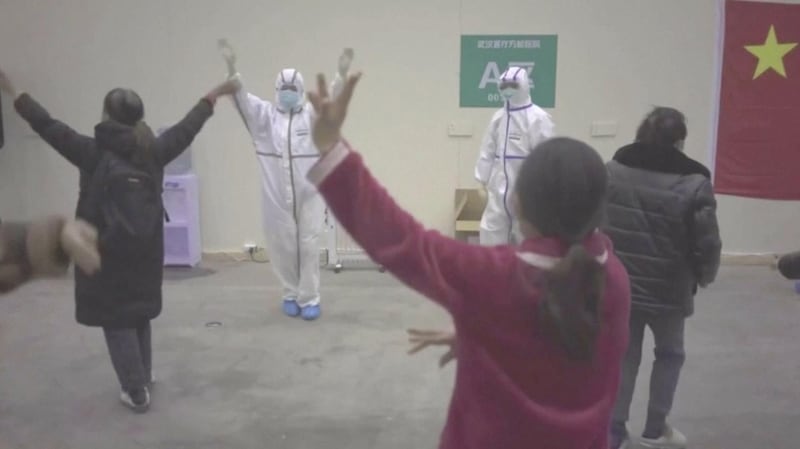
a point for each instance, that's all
(122, 294)
(662, 219)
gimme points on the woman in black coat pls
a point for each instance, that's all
(125, 295)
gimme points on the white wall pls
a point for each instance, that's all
(616, 58)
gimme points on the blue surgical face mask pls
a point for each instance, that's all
(288, 99)
(508, 92)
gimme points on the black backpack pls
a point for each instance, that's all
(125, 204)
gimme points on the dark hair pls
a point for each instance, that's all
(125, 106)
(662, 127)
(561, 190)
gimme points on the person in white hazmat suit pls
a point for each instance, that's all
(512, 133)
(293, 210)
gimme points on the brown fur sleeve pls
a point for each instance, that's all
(30, 249)
(14, 266)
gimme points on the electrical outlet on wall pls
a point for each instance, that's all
(250, 247)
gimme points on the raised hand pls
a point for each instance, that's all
(345, 60)
(228, 54)
(228, 87)
(331, 112)
(421, 339)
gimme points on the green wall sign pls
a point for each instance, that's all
(485, 58)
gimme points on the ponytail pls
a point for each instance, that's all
(570, 308)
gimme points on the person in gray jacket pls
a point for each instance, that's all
(661, 217)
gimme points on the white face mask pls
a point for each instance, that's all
(508, 92)
(289, 99)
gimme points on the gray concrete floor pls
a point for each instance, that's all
(265, 381)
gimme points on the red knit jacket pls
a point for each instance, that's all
(515, 387)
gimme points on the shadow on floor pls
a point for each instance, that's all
(183, 273)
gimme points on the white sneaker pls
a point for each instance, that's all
(672, 439)
(138, 404)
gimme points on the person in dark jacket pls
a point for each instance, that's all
(124, 296)
(43, 248)
(661, 216)
(789, 265)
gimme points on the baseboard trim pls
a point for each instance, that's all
(226, 256)
(767, 259)
(764, 259)
(261, 256)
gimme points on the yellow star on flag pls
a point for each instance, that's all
(770, 55)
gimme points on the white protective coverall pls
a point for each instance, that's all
(292, 208)
(513, 132)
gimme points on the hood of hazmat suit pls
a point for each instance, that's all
(290, 77)
(522, 94)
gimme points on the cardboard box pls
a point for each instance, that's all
(469, 207)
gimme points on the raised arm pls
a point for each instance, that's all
(342, 72)
(177, 138)
(252, 109)
(441, 268)
(80, 150)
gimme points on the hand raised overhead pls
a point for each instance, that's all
(331, 112)
(345, 59)
(228, 54)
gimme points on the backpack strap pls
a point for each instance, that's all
(97, 190)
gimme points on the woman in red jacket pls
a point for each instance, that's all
(541, 328)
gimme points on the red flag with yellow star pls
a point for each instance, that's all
(758, 134)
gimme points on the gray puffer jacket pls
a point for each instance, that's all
(662, 220)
